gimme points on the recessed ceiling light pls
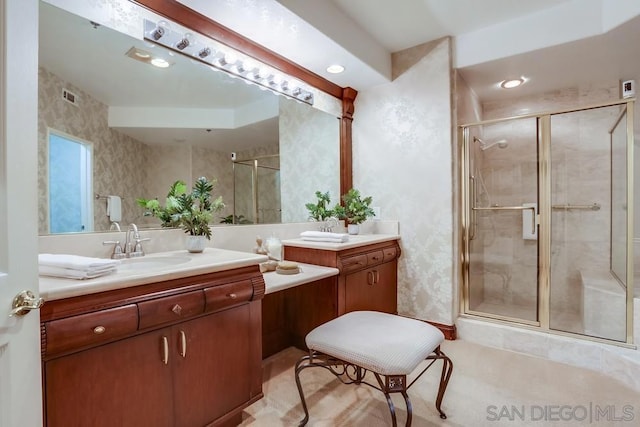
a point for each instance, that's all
(147, 58)
(335, 69)
(160, 63)
(510, 84)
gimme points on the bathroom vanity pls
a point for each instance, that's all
(368, 266)
(174, 346)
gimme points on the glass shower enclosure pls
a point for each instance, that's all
(256, 190)
(547, 220)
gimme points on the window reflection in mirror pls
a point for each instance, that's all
(152, 126)
(70, 184)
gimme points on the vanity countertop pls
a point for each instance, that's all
(275, 282)
(149, 269)
(353, 242)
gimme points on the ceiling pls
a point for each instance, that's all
(553, 43)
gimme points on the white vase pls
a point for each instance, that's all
(353, 228)
(196, 244)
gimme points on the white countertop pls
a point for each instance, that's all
(275, 282)
(353, 242)
(179, 264)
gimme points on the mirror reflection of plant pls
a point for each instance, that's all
(320, 210)
(192, 212)
(169, 215)
(235, 219)
(356, 208)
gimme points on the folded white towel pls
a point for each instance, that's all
(342, 237)
(70, 273)
(324, 239)
(75, 262)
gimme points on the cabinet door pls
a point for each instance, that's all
(372, 289)
(212, 366)
(125, 383)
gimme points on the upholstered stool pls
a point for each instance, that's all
(389, 346)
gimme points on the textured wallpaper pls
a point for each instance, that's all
(119, 162)
(403, 158)
(310, 153)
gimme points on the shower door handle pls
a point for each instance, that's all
(513, 208)
(472, 196)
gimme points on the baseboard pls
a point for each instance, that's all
(449, 331)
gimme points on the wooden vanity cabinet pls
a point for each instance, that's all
(368, 277)
(191, 357)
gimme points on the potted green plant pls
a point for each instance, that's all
(192, 212)
(356, 210)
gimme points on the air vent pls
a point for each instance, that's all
(70, 97)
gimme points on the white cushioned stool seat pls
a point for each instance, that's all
(384, 343)
(388, 346)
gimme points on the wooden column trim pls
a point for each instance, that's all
(346, 156)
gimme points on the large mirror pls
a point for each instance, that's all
(112, 124)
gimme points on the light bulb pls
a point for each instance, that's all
(186, 41)
(162, 27)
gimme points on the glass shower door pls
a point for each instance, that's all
(589, 223)
(502, 232)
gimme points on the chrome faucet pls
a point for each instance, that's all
(133, 246)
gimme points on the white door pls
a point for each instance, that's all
(20, 378)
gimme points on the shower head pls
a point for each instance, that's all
(501, 143)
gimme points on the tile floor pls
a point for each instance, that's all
(489, 387)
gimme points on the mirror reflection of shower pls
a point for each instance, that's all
(256, 190)
(501, 143)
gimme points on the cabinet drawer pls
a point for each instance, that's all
(390, 254)
(170, 309)
(353, 263)
(374, 258)
(90, 329)
(222, 296)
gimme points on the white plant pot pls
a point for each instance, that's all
(196, 244)
(353, 228)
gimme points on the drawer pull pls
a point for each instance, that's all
(375, 258)
(177, 309)
(99, 330)
(183, 342)
(232, 296)
(165, 349)
(371, 278)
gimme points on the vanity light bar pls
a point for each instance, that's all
(224, 58)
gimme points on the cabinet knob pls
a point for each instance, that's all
(99, 330)
(233, 296)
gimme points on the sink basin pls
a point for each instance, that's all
(151, 263)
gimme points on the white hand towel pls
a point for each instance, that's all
(75, 262)
(343, 237)
(70, 273)
(114, 208)
(324, 239)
